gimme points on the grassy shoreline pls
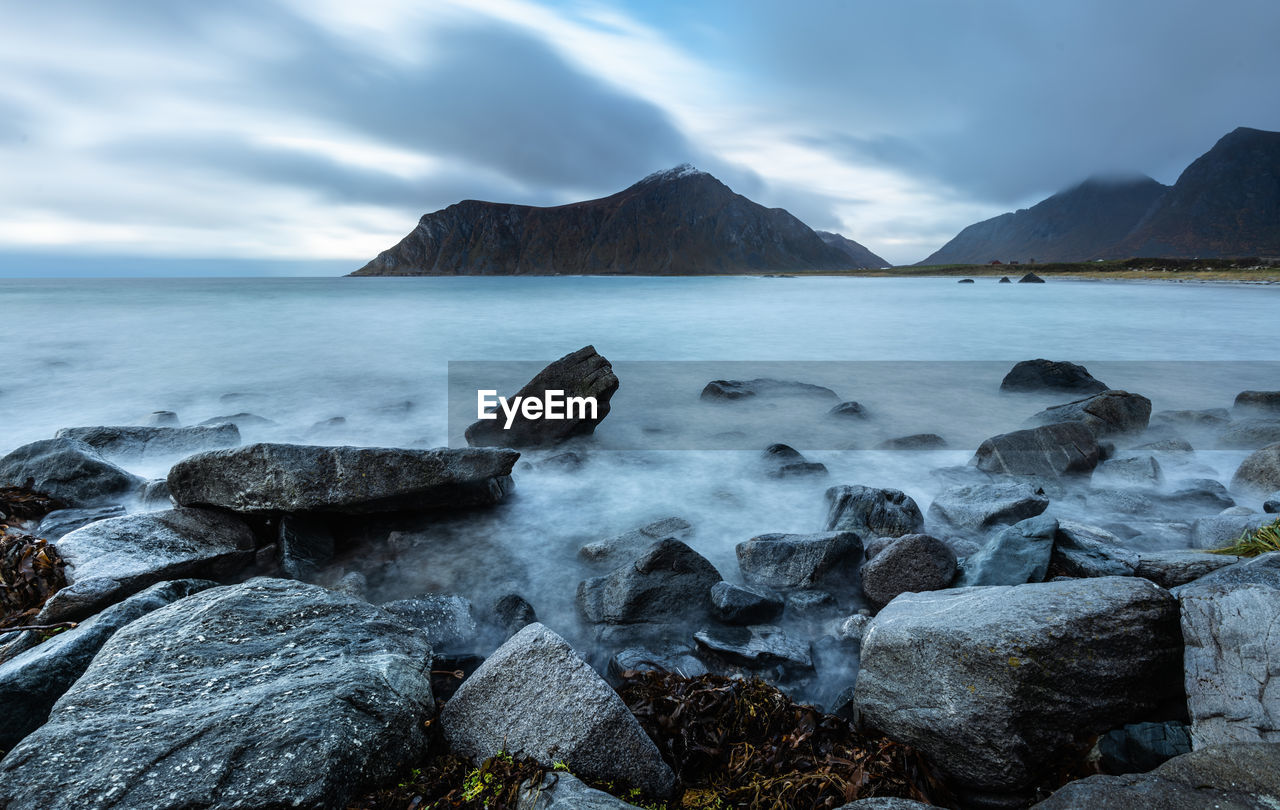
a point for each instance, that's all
(1237, 270)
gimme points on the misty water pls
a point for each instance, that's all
(921, 355)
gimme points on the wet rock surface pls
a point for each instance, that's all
(1109, 413)
(978, 508)
(134, 442)
(69, 470)
(1054, 450)
(798, 561)
(668, 582)
(1051, 375)
(914, 562)
(872, 512)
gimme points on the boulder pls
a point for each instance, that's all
(848, 410)
(1051, 375)
(1088, 551)
(563, 791)
(744, 604)
(272, 693)
(1030, 278)
(113, 559)
(1198, 494)
(1175, 567)
(1259, 473)
(978, 508)
(1005, 280)
(535, 697)
(872, 512)
(997, 685)
(1051, 450)
(305, 545)
(1130, 471)
(1258, 401)
(1238, 776)
(1015, 556)
(915, 563)
(1263, 569)
(269, 478)
(31, 682)
(784, 461)
(756, 647)
(916, 441)
(1272, 504)
(446, 620)
(809, 606)
(1110, 413)
(801, 561)
(629, 545)
(727, 390)
(69, 470)
(513, 613)
(582, 374)
(1250, 434)
(64, 521)
(133, 442)
(967, 281)
(1220, 531)
(668, 582)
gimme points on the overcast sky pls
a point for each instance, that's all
(320, 130)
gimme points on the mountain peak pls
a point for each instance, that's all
(674, 173)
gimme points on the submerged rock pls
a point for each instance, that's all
(1053, 450)
(267, 478)
(1109, 413)
(268, 694)
(800, 561)
(1250, 434)
(763, 387)
(128, 441)
(629, 545)
(583, 374)
(872, 512)
(535, 697)
(916, 441)
(669, 582)
(784, 461)
(1030, 278)
(1051, 375)
(848, 410)
(69, 470)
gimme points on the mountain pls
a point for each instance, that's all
(860, 255)
(1084, 222)
(1226, 204)
(679, 221)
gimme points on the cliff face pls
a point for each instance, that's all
(681, 221)
(860, 255)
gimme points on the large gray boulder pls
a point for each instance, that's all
(996, 685)
(915, 563)
(31, 682)
(1260, 472)
(269, 694)
(1051, 375)
(1237, 776)
(796, 561)
(581, 374)
(535, 697)
(112, 559)
(1051, 451)
(1088, 551)
(1175, 567)
(69, 470)
(1017, 555)
(133, 442)
(1109, 413)
(668, 582)
(268, 478)
(977, 508)
(872, 512)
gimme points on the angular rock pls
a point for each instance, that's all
(1140, 747)
(799, 561)
(1110, 413)
(64, 521)
(30, 683)
(1030, 278)
(678, 660)
(977, 508)
(272, 693)
(1131, 471)
(669, 582)
(1263, 569)
(848, 410)
(268, 478)
(305, 545)
(629, 545)
(133, 442)
(1088, 551)
(783, 461)
(582, 374)
(872, 512)
(1220, 531)
(514, 613)
(1260, 472)
(1260, 401)
(113, 559)
(1051, 451)
(916, 441)
(997, 685)
(69, 470)
(915, 562)
(758, 646)
(764, 387)
(535, 697)
(744, 604)
(1051, 375)
(446, 620)
(563, 791)
(1175, 567)
(1202, 494)
(811, 605)
(1017, 555)
(1238, 776)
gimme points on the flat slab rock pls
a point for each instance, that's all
(270, 478)
(268, 694)
(132, 441)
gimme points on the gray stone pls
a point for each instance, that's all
(563, 791)
(1198, 494)
(727, 390)
(872, 512)
(915, 563)
(1250, 434)
(155, 495)
(848, 410)
(1263, 569)
(1140, 747)
(31, 682)
(513, 613)
(916, 441)
(1258, 401)
(268, 694)
(1068, 448)
(996, 685)
(134, 442)
(1272, 504)
(163, 419)
(744, 604)
(1088, 551)
(1110, 413)
(581, 374)
(669, 582)
(242, 420)
(1051, 375)
(1031, 278)
(266, 478)
(64, 521)
(113, 559)
(977, 508)
(1210, 417)
(678, 660)
(1017, 555)
(535, 697)
(1238, 776)
(305, 545)
(1130, 471)
(1220, 531)
(69, 470)
(1258, 474)
(446, 620)
(756, 647)
(799, 561)
(629, 545)
(784, 461)
(811, 605)
(1175, 567)
(850, 628)
(887, 802)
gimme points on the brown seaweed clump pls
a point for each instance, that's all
(31, 570)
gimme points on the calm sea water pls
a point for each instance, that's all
(376, 352)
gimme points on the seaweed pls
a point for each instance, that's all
(31, 570)
(1261, 540)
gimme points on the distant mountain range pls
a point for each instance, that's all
(676, 222)
(1225, 204)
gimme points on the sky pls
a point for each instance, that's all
(305, 136)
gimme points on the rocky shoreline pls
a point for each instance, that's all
(211, 641)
